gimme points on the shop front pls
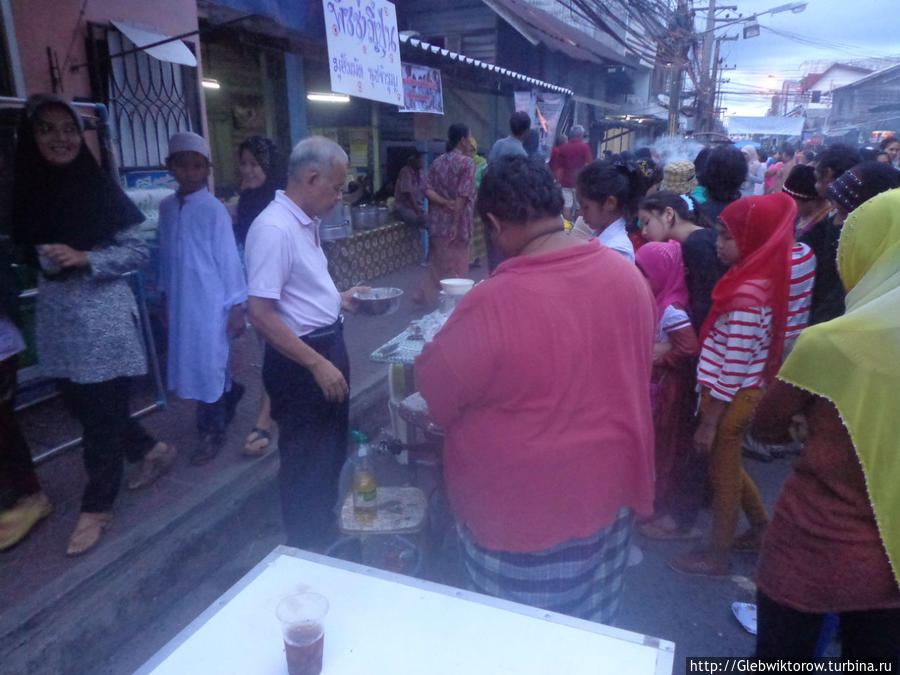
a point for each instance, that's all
(251, 94)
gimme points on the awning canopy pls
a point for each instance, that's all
(603, 105)
(770, 126)
(174, 51)
(538, 26)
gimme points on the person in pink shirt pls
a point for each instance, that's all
(540, 379)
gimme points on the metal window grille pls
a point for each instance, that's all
(149, 100)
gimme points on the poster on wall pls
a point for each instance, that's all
(422, 92)
(524, 101)
(364, 49)
(548, 109)
(545, 109)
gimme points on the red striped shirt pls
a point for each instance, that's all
(803, 274)
(734, 353)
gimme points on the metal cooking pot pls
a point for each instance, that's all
(364, 217)
(336, 223)
(379, 300)
(338, 216)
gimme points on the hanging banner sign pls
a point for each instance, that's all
(545, 109)
(422, 92)
(548, 110)
(364, 49)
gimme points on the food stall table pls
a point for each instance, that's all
(400, 353)
(368, 254)
(381, 622)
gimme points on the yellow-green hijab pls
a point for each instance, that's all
(854, 360)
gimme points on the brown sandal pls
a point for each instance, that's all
(88, 531)
(157, 462)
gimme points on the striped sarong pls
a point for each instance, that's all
(581, 577)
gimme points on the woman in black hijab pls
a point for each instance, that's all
(74, 221)
(262, 172)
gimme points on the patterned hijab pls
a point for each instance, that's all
(854, 360)
(763, 229)
(663, 266)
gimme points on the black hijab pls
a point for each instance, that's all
(254, 200)
(78, 204)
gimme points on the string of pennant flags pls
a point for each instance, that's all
(434, 49)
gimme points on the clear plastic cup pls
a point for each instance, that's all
(302, 618)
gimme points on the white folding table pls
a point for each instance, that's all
(385, 623)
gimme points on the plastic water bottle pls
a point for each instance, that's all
(365, 487)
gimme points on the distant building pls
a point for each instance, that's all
(867, 109)
(812, 97)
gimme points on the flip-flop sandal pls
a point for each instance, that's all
(255, 436)
(745, 613)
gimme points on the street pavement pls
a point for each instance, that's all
(179, 544)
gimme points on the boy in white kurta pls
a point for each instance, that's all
(206, 290)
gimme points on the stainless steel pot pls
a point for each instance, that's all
(336, 223)
(364, 217)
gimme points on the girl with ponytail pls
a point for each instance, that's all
(608, 193)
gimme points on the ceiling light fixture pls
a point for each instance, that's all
(210, 83)
(328, 98)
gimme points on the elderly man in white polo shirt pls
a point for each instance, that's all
(296, 307)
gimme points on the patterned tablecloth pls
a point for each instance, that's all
(404, 348)
(368, 254)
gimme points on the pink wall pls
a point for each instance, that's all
(54, 23)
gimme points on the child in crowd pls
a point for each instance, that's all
(669, 216)
(672, 384)
(205, 289)
(742, 347)
(608, 194)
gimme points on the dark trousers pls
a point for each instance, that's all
(109, 437)
(312, 440)
(17, 476)
(786, 633)
(213, 418)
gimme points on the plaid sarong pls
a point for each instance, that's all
(581, 577)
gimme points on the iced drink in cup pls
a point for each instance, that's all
(302, 618)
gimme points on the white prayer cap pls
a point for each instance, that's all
(188, 141)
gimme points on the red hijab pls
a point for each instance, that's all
(664, 268)
(763, 229)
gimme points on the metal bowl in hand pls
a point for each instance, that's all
(378, 301)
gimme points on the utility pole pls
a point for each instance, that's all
(682, 30)
(707, 79)
(714, 82)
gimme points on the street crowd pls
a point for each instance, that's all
(644, 326)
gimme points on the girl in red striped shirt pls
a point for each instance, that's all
(742, 342)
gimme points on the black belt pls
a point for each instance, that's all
(328, 331)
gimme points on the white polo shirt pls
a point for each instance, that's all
(285, 262)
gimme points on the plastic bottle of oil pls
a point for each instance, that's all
(365, 487)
